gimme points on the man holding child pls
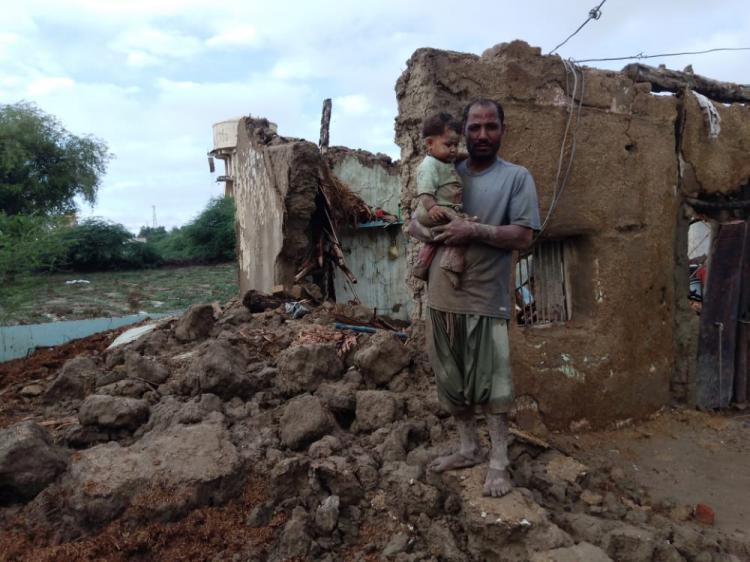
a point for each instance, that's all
(467, 321)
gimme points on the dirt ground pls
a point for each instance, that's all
(680, 457)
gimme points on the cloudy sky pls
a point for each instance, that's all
(151, 76)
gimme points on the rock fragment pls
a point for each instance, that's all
(327, 514)
(28, 462)
(195, 324)
(305, 419)
(113, 412)
(302, 368)
(376, 408)
(381, 357)
(74, 379)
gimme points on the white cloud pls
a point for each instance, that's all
(148, 46)
(49, 85)
(234, 35)
(355, 104)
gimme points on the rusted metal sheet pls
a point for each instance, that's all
(718, 327)
(742, 362)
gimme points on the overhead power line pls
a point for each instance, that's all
(644, 56)
(594, 14)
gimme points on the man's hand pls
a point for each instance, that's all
(462, 231)
(438, 214)
(456, 233)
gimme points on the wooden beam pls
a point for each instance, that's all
(325, 125)
(666, 80)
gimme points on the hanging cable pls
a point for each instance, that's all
(640, 56)
(594, 14)
(561, 180)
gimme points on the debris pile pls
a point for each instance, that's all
(228, 434)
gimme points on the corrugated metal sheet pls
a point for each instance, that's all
(377, 258)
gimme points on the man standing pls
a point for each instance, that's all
(468, 326)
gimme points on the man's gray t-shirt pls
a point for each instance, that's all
(503, 194)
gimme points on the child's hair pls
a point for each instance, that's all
(436, 125)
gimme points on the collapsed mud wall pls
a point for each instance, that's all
(275, 189)
(375, 255)
(613, 358)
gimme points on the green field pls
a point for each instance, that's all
(45, 298)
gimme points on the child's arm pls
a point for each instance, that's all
(435, 213)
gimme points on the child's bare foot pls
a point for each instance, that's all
(497, 483)
(457, 460)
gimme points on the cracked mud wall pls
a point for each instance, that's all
(717, 165)
(614, 358)
(277, 180)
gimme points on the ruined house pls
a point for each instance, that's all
(623, 161)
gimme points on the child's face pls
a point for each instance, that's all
(443, 147)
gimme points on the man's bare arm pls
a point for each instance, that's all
(506, 237)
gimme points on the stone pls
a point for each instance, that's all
(376, 408)
(130, 388)
(591, 498)
(704, 514)
(381, 357)
(31, 390)
(581, 552)
(626, 543)
(195, 324)
(302, 368)
(80, 436)
(339, 396)
(295, 541)
(336, 475)
(29, 462)
(75, 378)
(305, 419)
(327, 514)
(398, 544)
(324, 447)
(109, 377)
(114, 412)
(197, 409)
(144, 368)
(442, 543)
(164, 473)
(222, 370)
(289, 478)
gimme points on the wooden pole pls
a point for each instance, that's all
(325, 125)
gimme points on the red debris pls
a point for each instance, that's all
(704, 514)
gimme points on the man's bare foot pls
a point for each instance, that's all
(456, 460)
(497, 483)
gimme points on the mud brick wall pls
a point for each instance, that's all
(275, 188)
(614, 358)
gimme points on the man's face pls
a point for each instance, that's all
(484, 132)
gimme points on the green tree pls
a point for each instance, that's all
(211, 235)
(29, 243)
(43, 167)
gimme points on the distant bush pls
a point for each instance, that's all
(99, 245)
(210, 237)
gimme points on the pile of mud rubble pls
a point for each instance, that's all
(228, 434)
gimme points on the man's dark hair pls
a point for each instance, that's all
(485, 103)
(436, 125)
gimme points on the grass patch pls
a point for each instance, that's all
(34, 299)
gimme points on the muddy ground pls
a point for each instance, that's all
(235, 435)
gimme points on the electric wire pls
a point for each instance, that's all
(594, 14)
(640, 56)
(560, 184)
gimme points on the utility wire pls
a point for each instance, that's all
(594, 14)
(643, 56)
